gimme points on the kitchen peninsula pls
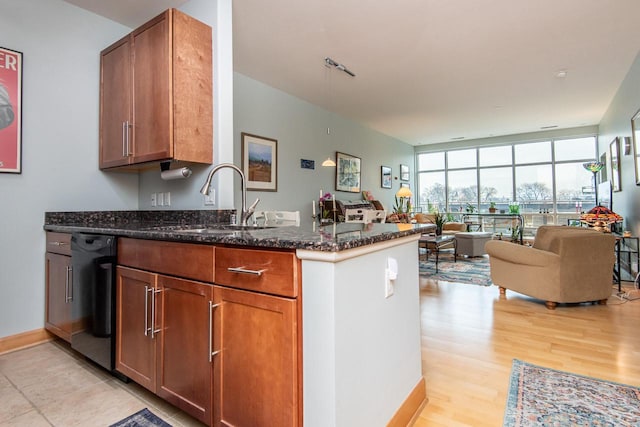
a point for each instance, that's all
(355, 298)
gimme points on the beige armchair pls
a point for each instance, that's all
(565, 265)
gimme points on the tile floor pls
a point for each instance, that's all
(49, 385)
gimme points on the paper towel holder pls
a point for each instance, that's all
(167, 173)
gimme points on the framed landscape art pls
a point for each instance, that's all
(260, 162)
(385, 174)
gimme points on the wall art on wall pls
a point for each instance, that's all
(347, 173)
(404, 173)
(307, 164)
(10, 111)
(385, 173)
(635, 135)
(614, 156)
(260, 162)
(602, 175)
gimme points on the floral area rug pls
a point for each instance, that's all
(466, 270)
(545, 397)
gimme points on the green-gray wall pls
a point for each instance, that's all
(301, 131)
(617, 123)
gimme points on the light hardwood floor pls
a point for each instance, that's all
(470, 335)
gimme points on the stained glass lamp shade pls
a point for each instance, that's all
(594, 167)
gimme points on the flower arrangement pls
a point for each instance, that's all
(326, 203)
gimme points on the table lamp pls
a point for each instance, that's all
(404, 194)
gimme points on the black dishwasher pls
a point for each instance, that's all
(93, 259)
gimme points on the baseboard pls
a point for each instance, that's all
(411, 407)
(24, 339)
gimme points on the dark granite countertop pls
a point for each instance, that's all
(179, 225)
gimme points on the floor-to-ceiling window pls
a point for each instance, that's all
(546, 178)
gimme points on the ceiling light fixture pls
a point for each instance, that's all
(561, 74)
(331, 63)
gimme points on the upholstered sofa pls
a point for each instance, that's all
(447, 227)
(565, 265)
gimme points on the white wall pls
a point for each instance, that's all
(61, 45)
(617, 123)
(301, 131)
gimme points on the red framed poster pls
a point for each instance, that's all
(10, 111)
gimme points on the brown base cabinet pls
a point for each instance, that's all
(256, 375)
(163, 328)
(58, 285)
(224, 354)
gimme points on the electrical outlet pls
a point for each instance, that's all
(210, 199)
(160, 199)
(153, 199)
(167, 198)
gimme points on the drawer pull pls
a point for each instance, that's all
(243, 270)
(58, 243)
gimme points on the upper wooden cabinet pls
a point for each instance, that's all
(156, 101)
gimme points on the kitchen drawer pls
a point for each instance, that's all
(185, 260)
(59, 243)
(270, 272)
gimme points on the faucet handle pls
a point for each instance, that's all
(252, 208)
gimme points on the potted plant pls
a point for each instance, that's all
(515, 234)
(492, 207)
(439, 219)
(470, 208)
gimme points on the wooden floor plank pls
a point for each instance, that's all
(470, 335)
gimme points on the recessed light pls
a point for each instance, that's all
(561, 74)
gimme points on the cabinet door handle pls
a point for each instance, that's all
(127, 138)
(124, 129)
(146, 310)
(211, 352)
(154, 331)
(68, 286)
(243, 270)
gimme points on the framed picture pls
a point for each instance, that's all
(404, 184)
(347, 173)
(385, 174)
(635, 136)
(602, 175)
(404, 173)
(614, 156)
(260, 162)
(10, 111)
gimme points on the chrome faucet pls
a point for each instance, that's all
(245, 212)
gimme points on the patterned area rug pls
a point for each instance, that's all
(144, 418)
(546, 397)
(466, 270)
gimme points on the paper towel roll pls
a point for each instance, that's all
(175, 173)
